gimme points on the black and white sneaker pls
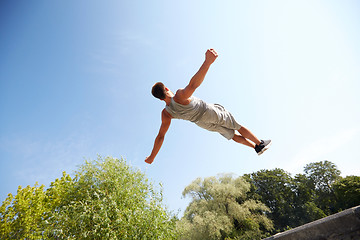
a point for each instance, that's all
(262, 147)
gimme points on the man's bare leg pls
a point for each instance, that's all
(242, 140)
(249, 139)
(249, 135)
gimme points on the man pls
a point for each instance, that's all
(213, 117)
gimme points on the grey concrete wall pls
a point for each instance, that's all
(344, 225)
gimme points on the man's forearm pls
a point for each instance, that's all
(199, 77)
(157, 145)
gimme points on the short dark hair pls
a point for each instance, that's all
(158, 90)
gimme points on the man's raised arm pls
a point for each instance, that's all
(198, 78)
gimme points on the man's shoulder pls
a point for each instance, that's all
(179, 92)
(165, 114)
(181, 98)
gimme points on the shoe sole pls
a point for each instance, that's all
(265, 148)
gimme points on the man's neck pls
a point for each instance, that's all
(168, 97)
(167, 100)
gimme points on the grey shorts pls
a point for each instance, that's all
(217, 119)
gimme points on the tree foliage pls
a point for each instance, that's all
(291, 201)
(304, 207)
(347, 192)
(106, 199)
(22, 216)
(294, 201)
(322, 175)
(275, 189)
(220, 209)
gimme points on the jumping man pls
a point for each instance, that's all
(213, 117)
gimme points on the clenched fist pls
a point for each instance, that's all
(210, 55)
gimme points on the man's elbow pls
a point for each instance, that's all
(193, 85)
(189, 89)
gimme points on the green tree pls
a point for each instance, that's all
(305, 209)
(275, 189)
(220, 209)
(322, 176)
(107, 199)
(347, 191)
(110, 200)
(22, 216)
(299, 200)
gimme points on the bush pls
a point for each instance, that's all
(107, 199)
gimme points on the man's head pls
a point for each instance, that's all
(159, 90)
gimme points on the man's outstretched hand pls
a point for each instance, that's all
(211, 55)
(149, 160)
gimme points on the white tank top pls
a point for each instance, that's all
(191, 112)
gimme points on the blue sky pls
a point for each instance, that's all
(75, 80)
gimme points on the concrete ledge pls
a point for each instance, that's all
(344, 225)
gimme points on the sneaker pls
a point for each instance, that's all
(262, 147)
